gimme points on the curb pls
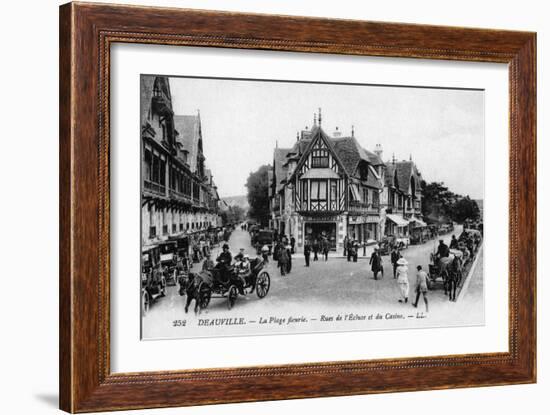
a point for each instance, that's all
(466, 284)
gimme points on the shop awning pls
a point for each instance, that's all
(419, 223)
(398, 220)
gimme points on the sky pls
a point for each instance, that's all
(243, 120)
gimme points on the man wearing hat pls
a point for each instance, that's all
(224, 261)
(403, 280)
(395, 255)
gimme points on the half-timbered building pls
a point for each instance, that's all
(326, 186)
(402, 198)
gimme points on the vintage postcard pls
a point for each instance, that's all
(282, 206)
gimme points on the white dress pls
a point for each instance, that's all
(403, 280)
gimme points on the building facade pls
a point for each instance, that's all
(401, 199)
(326, 187)
(330, 186)
(178, 193)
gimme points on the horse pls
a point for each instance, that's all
(454, 276)
(190, 286)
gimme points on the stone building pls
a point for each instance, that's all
(178, 193)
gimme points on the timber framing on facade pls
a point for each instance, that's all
(330, 186)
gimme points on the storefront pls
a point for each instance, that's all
(320, 230)
(397, 225)
(363, 228)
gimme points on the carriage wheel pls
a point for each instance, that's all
(232, 295)
(145, 303)
(204, 295)
(263, 282)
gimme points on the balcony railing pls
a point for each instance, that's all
(180, 196)
(154, 187)
(355, 206)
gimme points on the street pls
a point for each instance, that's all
(336, 286)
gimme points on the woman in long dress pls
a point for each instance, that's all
(403, 279)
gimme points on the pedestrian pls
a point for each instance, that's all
(349, 248)
(292, 244)
(346, 246)
(307, 252)
(315, 249)
(403, 280)
(283, 259)
(376, 263)
(325, 246)
(289, 262)
(355, 250)
(395, 255)
(421, 286)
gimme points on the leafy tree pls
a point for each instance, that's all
(439, 204)
(233, 214)
(465, 208)
(258, 196)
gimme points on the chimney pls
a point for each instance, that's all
(378, 150)
(337, 133)
(319, 116)
(353, 130)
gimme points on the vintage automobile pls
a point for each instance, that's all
(213, 284)
(262, 238)
(182, 251)
(153, 282)
(169, 260)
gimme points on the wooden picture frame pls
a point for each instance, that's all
(86, 33)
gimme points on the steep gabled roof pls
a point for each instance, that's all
(403, 170)
(351, 153)
(279, 162)
(146, 94)
(188, 127)
(317, 132)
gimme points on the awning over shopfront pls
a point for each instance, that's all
(418, 223)
(398, 220)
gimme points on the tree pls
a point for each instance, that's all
(258, 196)
(439, 204)
(233, 214)
(465, 208)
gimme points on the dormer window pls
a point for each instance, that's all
(319, 159)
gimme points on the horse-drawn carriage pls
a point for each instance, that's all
(224, 283)
(447, 271)
(153, 281)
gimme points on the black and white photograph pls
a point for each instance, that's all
(293, 206)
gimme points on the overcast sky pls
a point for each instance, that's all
(242, 120)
